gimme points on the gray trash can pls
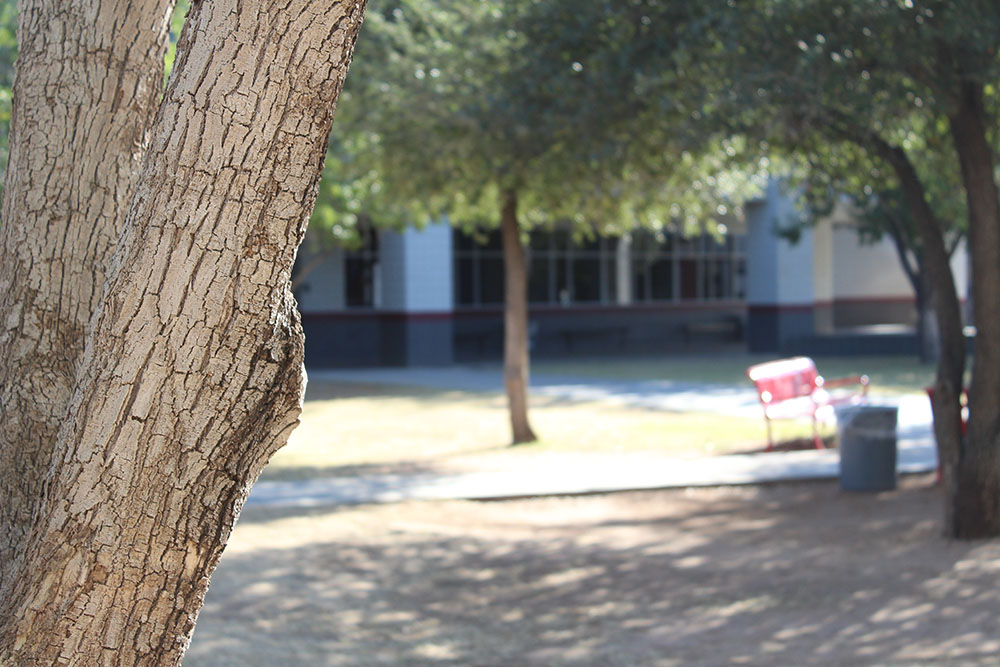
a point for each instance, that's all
(867, 447)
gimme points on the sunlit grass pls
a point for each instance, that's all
(347, 426)
(889, 375)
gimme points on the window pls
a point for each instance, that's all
(361, 271)
(560, 271)
(667, 267)
(661, 268)
(479, 274)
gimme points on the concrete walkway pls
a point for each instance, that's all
(573, 474)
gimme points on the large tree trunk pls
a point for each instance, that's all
(88, 83)
(977, 500)
(192, 375)
(516, 356)
(951, 364)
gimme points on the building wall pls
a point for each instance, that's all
(428, 269)
(795, 293)
(323, 289)
(392, 267)
(412, 323)
(823, 283)
(599, 330)
(347, 339)
(867, 270)
(869, 285)
(781, 285)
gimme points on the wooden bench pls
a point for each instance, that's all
(792, 388)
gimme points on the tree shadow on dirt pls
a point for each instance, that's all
(798, 574)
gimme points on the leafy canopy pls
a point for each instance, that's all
(824, 83)
(567, 103)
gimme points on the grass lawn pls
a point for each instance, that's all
(889, 375)
(352, 428)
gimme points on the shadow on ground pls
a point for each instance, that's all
(798, 574)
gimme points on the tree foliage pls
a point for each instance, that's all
(8, 54)
(564, 102)
(518, 114)
(896, 101)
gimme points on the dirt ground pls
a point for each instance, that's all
(792, 574)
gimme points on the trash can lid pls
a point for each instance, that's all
(872, 418)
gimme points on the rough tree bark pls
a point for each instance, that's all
(951, 364)
(192, 374)
(516, 356)
(977, 500)
(77, 138)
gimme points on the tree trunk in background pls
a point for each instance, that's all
(89, 79)
(192, 375)
(977, 500)
(951, 364)
(516, 358)
(928, 334)
(913, 265)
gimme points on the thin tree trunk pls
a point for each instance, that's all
(912, 263)
(88, 83)
(977, 500)
(516, 356)
(928, 334)
(951, 364)
(192, 375)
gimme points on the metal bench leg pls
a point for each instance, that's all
(818, 441)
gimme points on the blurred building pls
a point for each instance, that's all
(434, 296)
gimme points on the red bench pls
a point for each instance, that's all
(792, 388)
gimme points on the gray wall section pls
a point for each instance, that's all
(795, 329)
(787, 332)
(772, 329)
(854, 345)
(824, 318)
(763, 330)
(392, 341)
(396, 339)
(416, 341)
(860, 313)
(377, 339)
(342, 341)
(610, 330)
(429, 342)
